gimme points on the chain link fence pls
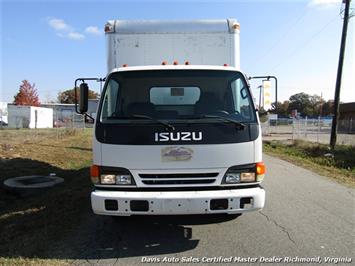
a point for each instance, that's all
(314, 130)
(71, 120)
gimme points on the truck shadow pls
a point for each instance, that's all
(137, 236)
(58, 223)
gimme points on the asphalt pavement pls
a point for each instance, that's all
(306, 217)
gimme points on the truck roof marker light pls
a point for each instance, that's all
(124, 65)
(225, 65)
(175, 63)
(108, 27)
(164, 63)
(187, 63)
(236, 26)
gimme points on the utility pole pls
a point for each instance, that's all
(260, 88)
(333, 136)
(321, 105)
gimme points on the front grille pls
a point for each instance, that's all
(178, 179)
(198, 175)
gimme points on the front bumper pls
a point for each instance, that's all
(232, 201)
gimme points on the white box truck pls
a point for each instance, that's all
(176, 130)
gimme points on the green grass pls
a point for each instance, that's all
(31, 223)
(338, 164)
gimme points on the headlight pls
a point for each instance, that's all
(238, 177)
(111, 176)
(232, 178)
(247, 177)
(108, 179)
(244, 174)
(124, 179)
(116, 179)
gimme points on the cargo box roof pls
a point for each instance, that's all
(172, 26)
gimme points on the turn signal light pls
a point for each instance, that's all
(260, 171)
(95, 174)
(260, 168)
(95, 170)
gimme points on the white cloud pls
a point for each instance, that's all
(324, 3)
(59, 24)
(93, 30)
(64, 30)
(75, 36)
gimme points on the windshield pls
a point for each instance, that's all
(176, 95)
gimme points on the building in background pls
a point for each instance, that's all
(3, 113)
(92, 107)
(63, 112)
(347, 111)
(21, 116)
(347, 117)
(62, 115)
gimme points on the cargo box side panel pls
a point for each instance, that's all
(150, 42)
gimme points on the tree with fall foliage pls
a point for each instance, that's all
(68, 96)
(27, 95)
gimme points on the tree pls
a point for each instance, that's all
(316, 102)
(328, 108)
(305, 104)
(300, 102)
(68, 96)
(282, 108)
(27, 95)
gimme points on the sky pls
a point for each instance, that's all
(51, 43)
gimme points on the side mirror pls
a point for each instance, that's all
(84, 98)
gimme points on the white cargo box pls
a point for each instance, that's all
(20, 116)
(150, 42)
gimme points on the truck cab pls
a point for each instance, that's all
(175, 138)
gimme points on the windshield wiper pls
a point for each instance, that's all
(225, 119)
(167, 125)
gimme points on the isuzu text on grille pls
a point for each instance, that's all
(178, 136)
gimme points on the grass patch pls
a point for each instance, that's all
(338, 164)
(29, 224)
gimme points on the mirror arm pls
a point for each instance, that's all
(86, 114)
(76, 93)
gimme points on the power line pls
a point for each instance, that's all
(285, 33)
(299, 48)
